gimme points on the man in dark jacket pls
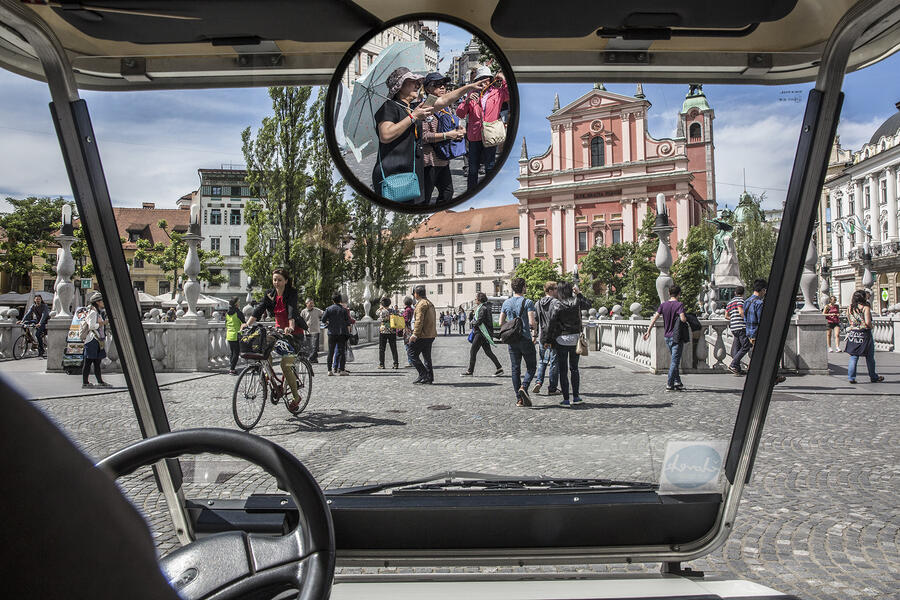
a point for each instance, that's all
(38, 315)
(547, 355)
(336, 321)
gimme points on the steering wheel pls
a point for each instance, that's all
(236, 564)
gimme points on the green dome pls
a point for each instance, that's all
(695, 99)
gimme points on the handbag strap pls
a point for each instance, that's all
(415, 142)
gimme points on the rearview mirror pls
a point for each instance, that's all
(421, 113)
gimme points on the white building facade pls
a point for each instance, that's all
(225, 198)
(861, 212)
(458, 254)
(425, 31)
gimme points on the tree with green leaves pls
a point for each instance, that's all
(640, 276)
(691, 269)
(170, 257)
(325, 215)
(607, 266)
(28, 229)
(277, 169)
(381, 242)
(536, 272)
(754, 238)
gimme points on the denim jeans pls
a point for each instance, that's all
(870, 364)
(524, 348)
(739, 347)
(675, 347)
(548, 359)
(568, 365)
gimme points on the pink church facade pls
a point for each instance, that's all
(603, 170)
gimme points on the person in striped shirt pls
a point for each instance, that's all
(741, 344)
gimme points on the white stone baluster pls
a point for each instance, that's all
(663, 230)
(719, 352)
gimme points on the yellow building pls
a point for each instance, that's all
(134, 224)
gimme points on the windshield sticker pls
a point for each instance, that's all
(692, 467)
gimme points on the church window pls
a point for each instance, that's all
(617, 236)
(539, 243)
(840, 248)
(582, 241)
(597, 158)
(695, 132)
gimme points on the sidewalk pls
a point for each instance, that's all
(28, 376)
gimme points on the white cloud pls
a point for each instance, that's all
(856, 133)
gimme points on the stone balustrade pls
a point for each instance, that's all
(710, 348)
(9, 331)
(886, 333)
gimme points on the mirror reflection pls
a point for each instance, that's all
(420, 122)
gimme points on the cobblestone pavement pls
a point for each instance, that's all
(819, 518)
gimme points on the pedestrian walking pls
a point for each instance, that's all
(562, 332)
(313, 317)
(422, 338)
(548, 357)
(832, 314)
(336, 320)
(672, 312)
(38, 315)
(446, 321)
(408, 314)
(753, 308)
(521, 343)
(94, 341)
(482, 335)
(479, 108)
(859, 337)
(461, 321)
(281, 302)
(740, 345)
(387, 335)
(234, 319)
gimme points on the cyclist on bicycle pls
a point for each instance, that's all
(37, 315)
(281, 302)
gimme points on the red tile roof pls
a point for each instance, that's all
(144, 221)
(473, 220)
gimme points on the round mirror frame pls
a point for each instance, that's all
(512, 125)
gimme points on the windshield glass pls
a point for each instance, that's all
(515, 335)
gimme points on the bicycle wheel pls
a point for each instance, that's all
(303, 372)
(249, 400)
(19, 347)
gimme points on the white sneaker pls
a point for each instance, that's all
(831, 350)
(838, 350)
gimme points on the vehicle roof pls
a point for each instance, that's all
(116, 45)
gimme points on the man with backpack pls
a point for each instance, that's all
(518, 329)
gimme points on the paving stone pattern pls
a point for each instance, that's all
(818, 520)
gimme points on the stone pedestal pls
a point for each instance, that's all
(895, 322)
(57, 331)
(190, 344)
(807, 340)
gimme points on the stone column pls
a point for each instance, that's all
(626, 205)
(874, 211)
(808, 279)
(858, 211)
(626, 137)
(556, 233)
(65, 267)
(192, 264)
(640, 135)
(524, 234)
(570, 239)
(663, 253)
(570, 146)
(892, 204)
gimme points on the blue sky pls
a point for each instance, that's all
(152, 143)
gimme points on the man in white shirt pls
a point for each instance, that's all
(311, 315)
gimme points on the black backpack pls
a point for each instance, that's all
(511, 331)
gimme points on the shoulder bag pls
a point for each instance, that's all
(511, 331)
(581, 346)
(400, 187)
(857, 342)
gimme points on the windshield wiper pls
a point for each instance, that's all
(467, 481)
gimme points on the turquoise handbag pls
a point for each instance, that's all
(400, 187)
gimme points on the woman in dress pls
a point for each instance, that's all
(398, 124)
(859, 314)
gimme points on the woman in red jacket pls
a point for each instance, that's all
(478, 108)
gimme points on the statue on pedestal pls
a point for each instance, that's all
(725, 270)
(367, 294)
